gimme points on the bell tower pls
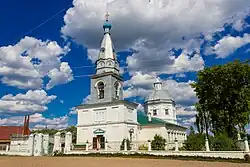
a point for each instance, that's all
(106, 84)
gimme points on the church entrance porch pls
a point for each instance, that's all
(99, 142)
(99, 139)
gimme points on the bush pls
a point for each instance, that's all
(128, 144)
(158, 143)
(143, 147)
(58, 153)
(247, 157)
(194, 142)
(222, 142)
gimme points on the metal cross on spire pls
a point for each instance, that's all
(107, 12)
(107, 15)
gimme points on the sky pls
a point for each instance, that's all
(48, 50)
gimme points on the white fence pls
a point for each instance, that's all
(214, 154)
(37, 145)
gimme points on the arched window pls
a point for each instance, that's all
(100, 87)
(117, 90)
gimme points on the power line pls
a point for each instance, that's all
(44, 22)
(139, 60)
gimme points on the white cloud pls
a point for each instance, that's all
(135, 92)
(86, 99)
(228, 44)
(176, 18)
(181, 75)
(153, 29)
(73, 111)
(186, 121)
(141, 85)
(93, 55)
(25, 64)
(61, 76)
(37, 121)
(239, 25)
(32, 101)
(185, 111)
(189, 121)
(140, 79)
(181, 92)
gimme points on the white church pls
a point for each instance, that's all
(107, 117)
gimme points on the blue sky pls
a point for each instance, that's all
(173, 40)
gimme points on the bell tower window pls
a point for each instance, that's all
(100, 87)
(117, 90)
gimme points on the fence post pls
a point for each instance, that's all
(149, 146)
(246, 145)
(125, 145)
(57, 142)
(176, 144)
(207, 144)
(106, 145)
(31, 145)
(87, 146)
(68, 142)
(7, 148)
(38, 145)
(46, 143)
(18, 147)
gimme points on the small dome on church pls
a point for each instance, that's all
(107, 25)
(158, 93)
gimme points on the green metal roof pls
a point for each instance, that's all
(143, 120)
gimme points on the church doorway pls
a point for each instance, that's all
(99, 142)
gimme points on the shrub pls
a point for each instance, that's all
(143, 147)
(247, 157)
(222, 142)
(57, 153)
(158, 143)
(128, 144)
(194, 142)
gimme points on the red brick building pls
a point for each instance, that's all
(7, 132)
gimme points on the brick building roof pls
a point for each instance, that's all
(7, 131)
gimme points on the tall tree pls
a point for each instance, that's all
(223, 93)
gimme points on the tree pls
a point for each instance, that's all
(192, 130)
(199, 119)
(158, 143)
(223, 98)
(52, 132)
(195, 142)
(45, 131)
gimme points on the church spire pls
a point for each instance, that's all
(107, 60)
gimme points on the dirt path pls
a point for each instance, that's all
(105, 162)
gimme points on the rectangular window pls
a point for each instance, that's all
(130, 114)
(154, 112)
(166, 111)
(100, 116)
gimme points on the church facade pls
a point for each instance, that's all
(107, 117)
